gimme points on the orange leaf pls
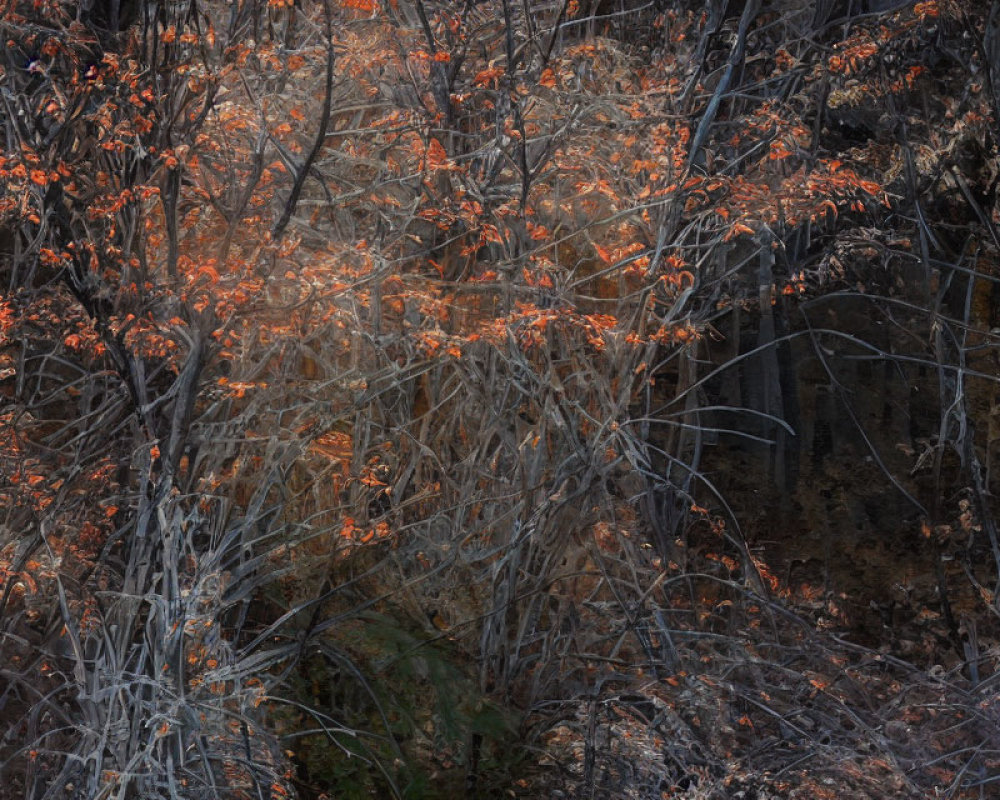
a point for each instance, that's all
(738, 229)
(437, 158)
(213, 275)
(487, 76)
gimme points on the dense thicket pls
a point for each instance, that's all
(433, 399)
